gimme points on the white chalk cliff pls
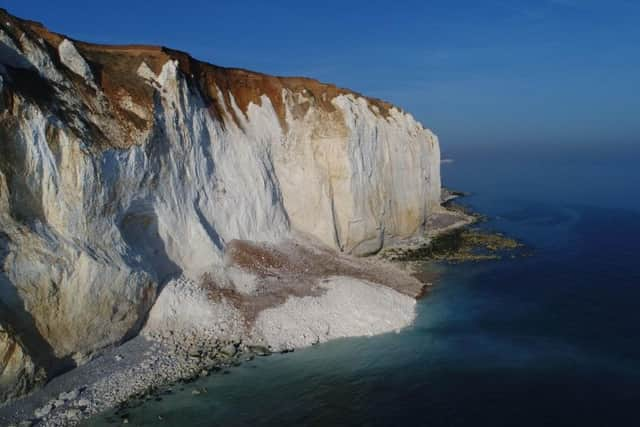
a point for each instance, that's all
(122, 167)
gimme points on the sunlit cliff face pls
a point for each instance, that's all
(121, 166)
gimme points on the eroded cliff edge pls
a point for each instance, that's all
(123, 167)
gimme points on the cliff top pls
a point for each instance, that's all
(114, 68)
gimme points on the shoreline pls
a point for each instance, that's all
(157, 359)
(137, 369)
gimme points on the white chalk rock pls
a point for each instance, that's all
(72, 59)
(119, 193)
(349, 308)
(146, 73)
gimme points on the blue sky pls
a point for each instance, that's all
(476, 72)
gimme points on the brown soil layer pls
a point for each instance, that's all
(115, 70)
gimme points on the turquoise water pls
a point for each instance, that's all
(546, 340)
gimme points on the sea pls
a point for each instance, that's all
(547, 339)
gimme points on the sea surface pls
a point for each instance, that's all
(550, 339)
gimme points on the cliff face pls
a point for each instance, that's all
(122, 166)
(18, 373)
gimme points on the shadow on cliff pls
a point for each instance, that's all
(140, 231)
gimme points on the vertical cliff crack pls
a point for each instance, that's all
(334, 218)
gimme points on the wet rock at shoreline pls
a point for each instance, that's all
(459, 245)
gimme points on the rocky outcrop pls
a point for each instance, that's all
(18, 373)
(122, 167)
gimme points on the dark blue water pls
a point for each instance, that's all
(552, 339)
